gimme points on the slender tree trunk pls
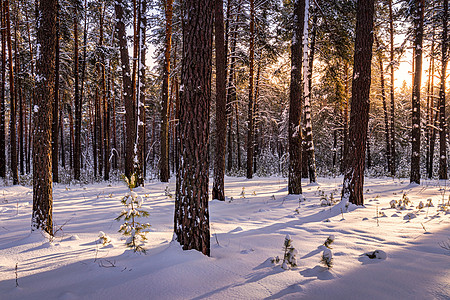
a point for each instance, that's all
(250, 93)
(345, 137)
(238, 138)
(141, 88)
(359, 115)
(127, 88)
(383, 98)
(42, 148)
(191, 203)
(78, 104)
(2, 97)
(442, 119)
(12, 127)
(415, 143)
(392, 96)
(61, 131)
(295, 110)
(164, 135)
(218, 191)
(55, 120)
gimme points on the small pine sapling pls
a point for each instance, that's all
(289, 259)
(132, 228)
(393, 203)
(104, 238)
(327, 258)
(421, 205)
(243, 192)
(329, 241)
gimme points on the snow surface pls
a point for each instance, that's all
(246, 232)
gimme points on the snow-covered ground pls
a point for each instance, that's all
(246, 231)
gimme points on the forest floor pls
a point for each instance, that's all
(247, 230)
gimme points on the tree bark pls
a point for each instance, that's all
(442, 119)
(2, 97)
(191, 202)
(77, 100)
(12, 127)
(55, 120)
(164, 135)
(392, 95)
(250, 126)
(218, 191)
(359, 115)
(415, 134)
(42, 148)
(127, 90)
(295, 110)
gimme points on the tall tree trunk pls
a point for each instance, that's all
(415, 134)
(42, 148)
(345, 137)
(295, 109)
(127, 88)
(55, 120)
(442, 119)
(78, 104)
(218, 191)
(359, 115)
(61, 131)
(12, 127)
(191, 203)
(430, 112)
(238, 137)
(392, 65)
(383, 98)
(141, 124)
(250, 93)
(307, 71)
(2, 97)
(164, 135)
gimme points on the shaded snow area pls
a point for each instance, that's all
(377, 252)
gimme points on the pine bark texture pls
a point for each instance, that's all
(130, 110)
(442, 119)
(42, 148)
(164, 136)
(359, 115)
(2, 97)
(295, 110)
(191, 224)
(218, 191)
(392, 94)
(415, 133)
(55, 117)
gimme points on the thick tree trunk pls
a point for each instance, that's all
(345, 137)
(78, 104)
(295, 109)
(42, 148)
(164, 135)
(218, 191)
(415, 134)
(442, 119)
(191, 203)
(127, 89)
(250, 120)
(359, 115)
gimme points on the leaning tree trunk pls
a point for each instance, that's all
(191, 203)
(127, 90)
(352, 190)
(415, 143)
(295, 140)
(442, 119)
(42, 147)
(250, 120)
(218, 191)
(164, 135)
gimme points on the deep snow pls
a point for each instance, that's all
(247, 230)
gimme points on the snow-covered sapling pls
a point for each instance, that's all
(421, 205)
(406, 200)
(103, 238)
(243, 192)
(289, 259)
(327, 258)
(393, 203)
(329, 241)
(132, 228)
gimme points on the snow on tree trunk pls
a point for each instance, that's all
(359, 115)
(442, 120)
(191, 222)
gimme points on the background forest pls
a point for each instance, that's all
(89, 132)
